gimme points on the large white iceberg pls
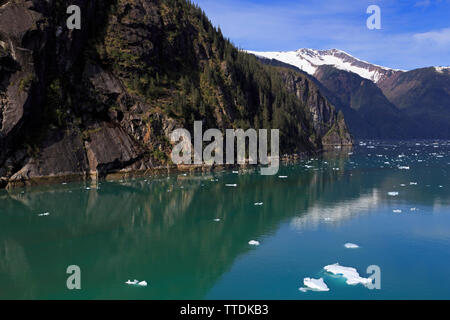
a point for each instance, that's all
(351, 274)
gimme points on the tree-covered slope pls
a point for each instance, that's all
(103, 99)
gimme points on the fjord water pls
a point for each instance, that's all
(164, 230)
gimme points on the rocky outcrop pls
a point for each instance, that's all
(89, 103)
(328, 123)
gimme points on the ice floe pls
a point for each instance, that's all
(231, 185)
(216, 220)
(349, 273)
(283, 177)
(137, 283)
(254, 243)
(393, 194)
(351, 246)
(314, 285)
(404, 168)
(44, 214)
(397, 211)
(259, 203)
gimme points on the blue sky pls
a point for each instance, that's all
(414, 33)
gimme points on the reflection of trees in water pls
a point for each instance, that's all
(162, 230)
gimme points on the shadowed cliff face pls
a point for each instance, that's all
(103, 99)
(329, 124)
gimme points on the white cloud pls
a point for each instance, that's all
(441, 37)
(424, 3)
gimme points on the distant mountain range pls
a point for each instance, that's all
(377, 102)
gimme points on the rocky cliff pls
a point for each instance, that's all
(100, 100)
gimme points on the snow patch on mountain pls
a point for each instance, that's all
(442, 69)
(309, 60)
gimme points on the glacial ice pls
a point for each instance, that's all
(351, 246)
(44, 214)
(137, 283)
(314, 285)
(393, 194)
(351, 274)
(254, 243)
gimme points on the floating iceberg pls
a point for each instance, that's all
(393, 194)
(259, 203)
(283, 177)
(44, 214)
(413, 183)
(216, 220)
(351, 246)
(403, 168)
(314, 285)
(397, 211)
(254, 243)
(351, 274)
(231, 185)
(137, 283)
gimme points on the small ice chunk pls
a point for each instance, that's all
(231, 185)
(397, 211)
(254, 243)
(413, 183)
(132, 283)
(314, 285)
(44, 214)
(413, 209)
(283, 177)
(351, 274)
(142, 284)
(393, 194)
(351, 246)
(236, 172)
(216, 220)
(404, 168)
(259, 203)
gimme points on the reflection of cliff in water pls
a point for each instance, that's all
(161, 230)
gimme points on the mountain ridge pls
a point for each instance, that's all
(399, 104)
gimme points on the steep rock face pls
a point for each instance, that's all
(100, 100)
(328, 123)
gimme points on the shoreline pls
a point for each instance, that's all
(122, 174)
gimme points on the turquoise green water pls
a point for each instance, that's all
(162, 230)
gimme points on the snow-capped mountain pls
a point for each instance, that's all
(309, 60)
